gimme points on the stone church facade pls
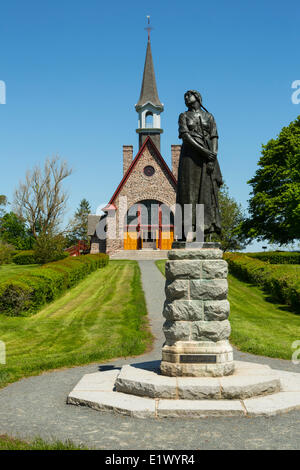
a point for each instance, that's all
(140, 214)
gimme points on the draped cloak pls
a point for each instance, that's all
(195, 184)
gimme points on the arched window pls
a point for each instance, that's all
(149, 119)
(149, 213)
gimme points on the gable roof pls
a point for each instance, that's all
(134, 162)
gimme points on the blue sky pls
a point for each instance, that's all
(73, 73)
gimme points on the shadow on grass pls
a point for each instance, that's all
(267, 296)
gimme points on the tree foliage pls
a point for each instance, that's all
(49, 248)
(3, 203)
(78, 226)
(40, 199)
(6, 252)
(14, 231)
(231, 238)
(274, 206)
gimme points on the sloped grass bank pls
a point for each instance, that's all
(101, 318)
(282, 282)
(25, 294)
(258, 325)
(9, 443)
(7, 271)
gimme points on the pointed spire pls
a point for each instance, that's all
(149, 90)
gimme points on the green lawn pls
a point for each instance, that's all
(101, 318)
(10, 270)
(290, 268)
(8, 443)
(258, 326)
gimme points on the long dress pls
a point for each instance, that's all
(195, 184)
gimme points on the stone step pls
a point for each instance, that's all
(146, 254)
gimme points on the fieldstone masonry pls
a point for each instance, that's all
(196, 312)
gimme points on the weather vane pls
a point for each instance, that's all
(149, 27)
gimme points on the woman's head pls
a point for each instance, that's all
(195, 94)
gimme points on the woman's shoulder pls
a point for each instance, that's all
(207, 115)
(182, 117)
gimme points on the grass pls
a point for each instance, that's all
(290, 268)
(160, 263)
(9, 270)
(258, 326)
(101, 318)
(9, 443)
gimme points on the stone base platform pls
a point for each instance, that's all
(220, 351)
(253, 390)
(247, 381)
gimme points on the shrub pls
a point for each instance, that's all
(283, 285)
(277, 257)
(6, 252)
(27, 293)
(49, 248)
(24, 257)
(14, 297)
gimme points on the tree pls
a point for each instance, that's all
(274, 206)
(79, 224)
(40, 200)
(3, 203)
(6, 252)
(231, 238)
(49, 248)
(13, 230)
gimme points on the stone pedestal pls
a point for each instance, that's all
(196, 311)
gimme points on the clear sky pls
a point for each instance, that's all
(73, 74)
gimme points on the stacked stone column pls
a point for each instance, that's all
(196, 311)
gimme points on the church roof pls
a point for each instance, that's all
(165, 167)
(149, 90)
(92, 223)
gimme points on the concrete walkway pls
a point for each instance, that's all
(37, 406)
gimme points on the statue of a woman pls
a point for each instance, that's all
(199, 175)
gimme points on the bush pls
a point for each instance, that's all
(24, 257)
(6, 252)
(14, 297)
(49, 248)
(30, 257)
(27, 293)
(283, 285)
(277, 257)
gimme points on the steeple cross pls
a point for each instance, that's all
(149, 27)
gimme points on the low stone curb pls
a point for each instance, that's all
(98, 392)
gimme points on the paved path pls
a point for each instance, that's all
(37, 407)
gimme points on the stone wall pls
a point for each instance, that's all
(175, 152)
(196, 312)
(127, 157)
(138, 187)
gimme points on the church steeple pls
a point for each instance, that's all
(149, 106)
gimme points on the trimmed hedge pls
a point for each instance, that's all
(24, 257)
(284, 286)
(27, 293)
(29, 257)
(277, 257)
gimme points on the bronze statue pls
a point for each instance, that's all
(199, 175)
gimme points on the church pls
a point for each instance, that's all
(139, 215)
